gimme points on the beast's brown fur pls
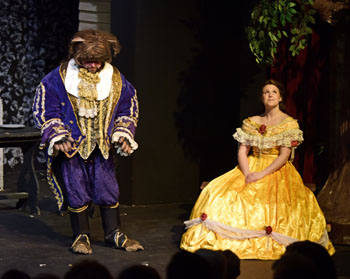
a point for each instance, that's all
(93, 45)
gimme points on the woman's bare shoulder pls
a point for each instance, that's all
(256, 118)
(284, 116)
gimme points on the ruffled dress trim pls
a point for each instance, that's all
(285, 133)
(229, 232)
(250, 134)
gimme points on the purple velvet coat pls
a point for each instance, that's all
(54, 115)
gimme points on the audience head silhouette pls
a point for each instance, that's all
(233, 265)
(88, 269)
(305, 259)
(139, 272)
(46, 276)
(187, 265)
(15, 274)
(216, 260)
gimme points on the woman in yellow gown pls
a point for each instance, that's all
(262, 205)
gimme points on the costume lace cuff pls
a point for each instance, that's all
(115, 138)
(52, 131)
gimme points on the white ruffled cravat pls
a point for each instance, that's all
(72, 80)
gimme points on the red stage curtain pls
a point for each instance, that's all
(306, 79)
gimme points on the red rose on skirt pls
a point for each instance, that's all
(268, 230)
(262, 129)
(204, 216)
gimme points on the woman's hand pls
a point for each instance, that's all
(253, 176)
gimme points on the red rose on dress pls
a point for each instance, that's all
(268, 230)
(204, 216)
(294, 143)
(262, 129)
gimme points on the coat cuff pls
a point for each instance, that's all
(115, 138)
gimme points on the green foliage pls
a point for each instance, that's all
(272, 20)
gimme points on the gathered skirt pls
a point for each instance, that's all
(259, 219)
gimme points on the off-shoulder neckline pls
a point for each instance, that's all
(258, 125)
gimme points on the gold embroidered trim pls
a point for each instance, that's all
(112, 206)
(113, 98)
(78, 210)
(100, 124)
(87, 92)
(40, 93)
(115, 206)
(43, 102)
(74, 147)
(89, 136)
(136, 116)
(47, 123)
(50, 178)
(127, 118)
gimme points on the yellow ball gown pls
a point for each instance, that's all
(259, 219)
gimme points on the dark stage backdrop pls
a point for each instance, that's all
(189, 61)
(191, 64)
(34, 36)
(196, 81)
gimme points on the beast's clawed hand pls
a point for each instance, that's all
(65, 144)
(124, 145)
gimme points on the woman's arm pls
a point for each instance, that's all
(275, 165)
(243, 159)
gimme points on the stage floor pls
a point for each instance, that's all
(40, 244)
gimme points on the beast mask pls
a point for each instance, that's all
(93, 45)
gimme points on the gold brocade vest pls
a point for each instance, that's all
(92, 128)
(95, 129)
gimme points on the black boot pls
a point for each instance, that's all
(81, 232)
(111, 228)
(110, 220)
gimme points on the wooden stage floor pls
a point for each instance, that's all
(40, 244)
